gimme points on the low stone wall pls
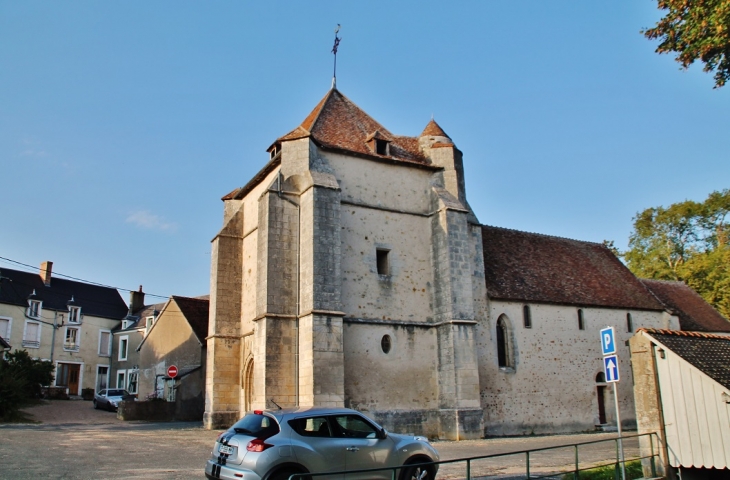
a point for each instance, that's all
(152, 411)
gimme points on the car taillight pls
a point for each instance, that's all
(257, 445)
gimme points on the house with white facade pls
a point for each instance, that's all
(63, 321)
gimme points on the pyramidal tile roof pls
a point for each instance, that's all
(337, 123)
(433, 129)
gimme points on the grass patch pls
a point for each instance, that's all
(633, 471)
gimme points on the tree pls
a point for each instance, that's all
(686, 241)
(21, 378)
(696, 29)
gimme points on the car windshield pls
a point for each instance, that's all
(116, 393)
(257, 425)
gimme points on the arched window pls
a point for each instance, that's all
(505, 349)
(581, 320)
(527, 316)
(629, 323)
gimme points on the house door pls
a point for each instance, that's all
(73, 379)
(68, 376)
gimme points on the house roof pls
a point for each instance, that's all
(693, 311)
(140, 315)
(95, 300)
(195, 311)
(709, 353)
(337, 123)
(529, 267)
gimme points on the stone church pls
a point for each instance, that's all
(351, 271)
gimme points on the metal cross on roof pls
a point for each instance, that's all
(334, 50)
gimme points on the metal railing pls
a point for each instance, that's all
(528, 475)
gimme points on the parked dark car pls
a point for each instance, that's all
(109, 398)
(274, 444)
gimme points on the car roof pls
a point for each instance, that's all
(279, 413)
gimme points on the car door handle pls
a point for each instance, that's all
(352, 449)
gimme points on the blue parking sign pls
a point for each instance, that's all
(608, 344)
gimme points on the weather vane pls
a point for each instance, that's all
(334, 50)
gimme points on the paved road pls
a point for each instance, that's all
(75, 441)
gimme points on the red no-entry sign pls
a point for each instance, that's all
(172, 371)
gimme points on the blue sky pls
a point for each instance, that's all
(123, 123)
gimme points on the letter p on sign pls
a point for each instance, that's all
(608, 343)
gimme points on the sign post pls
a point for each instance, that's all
(610, 370)
(172, 371)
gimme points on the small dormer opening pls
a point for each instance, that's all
(381, 146)
(274, 151)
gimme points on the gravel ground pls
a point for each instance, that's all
(76, 441)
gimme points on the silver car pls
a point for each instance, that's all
(109, 398)
(274, 444)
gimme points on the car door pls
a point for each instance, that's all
(364, 449)
(316, 447)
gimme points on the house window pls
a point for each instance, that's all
(126, 323)
(32, 334)
(381, 258)
(74, 314)
(385, 343)
(132, 380)
(34, 308)
(102, 372)
(105, 343)
(149, 322)
(581, 320)
(123, 347)
(505, 350)
(71, 342)
(527, 316)
(121, 379)
(381, 147)
(629, 323)
(5, 324)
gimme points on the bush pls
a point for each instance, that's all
(608, 472)
(21, 379)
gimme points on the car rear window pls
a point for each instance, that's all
(257, 425)
(311, 426)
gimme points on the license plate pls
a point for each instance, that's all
(228, 450)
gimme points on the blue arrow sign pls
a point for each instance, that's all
(608, 344)
(610, 368)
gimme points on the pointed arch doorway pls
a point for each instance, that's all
(601, 395)
(248, 386)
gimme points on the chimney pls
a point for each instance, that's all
(136, 300)
(46, 268)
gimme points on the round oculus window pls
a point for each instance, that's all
(385, 343)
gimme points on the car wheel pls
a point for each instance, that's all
(96, 405)
(425, 472)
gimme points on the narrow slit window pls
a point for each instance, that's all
(385, 343)
(581, 320)
(527, 316)
(382, 261)
(629, 323)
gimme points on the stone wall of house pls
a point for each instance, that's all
(551, 386)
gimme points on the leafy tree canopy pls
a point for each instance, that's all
(686, 241)
(21, 378)
(696, 29)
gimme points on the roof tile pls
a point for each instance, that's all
(530, 267)
(693, 311)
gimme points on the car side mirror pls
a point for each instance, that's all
(382, 434)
